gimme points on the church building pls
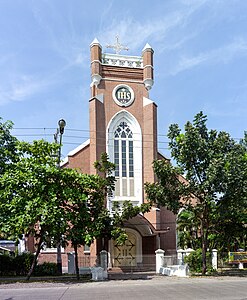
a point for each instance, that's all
(123, 123)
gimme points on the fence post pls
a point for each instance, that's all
(180, 255)
(159, 259)
(71, 263)
(214, 259)
(103, 262)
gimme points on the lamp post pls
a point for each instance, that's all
(60, 131)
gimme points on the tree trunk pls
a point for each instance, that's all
(34, 260)
(76, 262)
(59, 259)
(204, 261)
(204, 247)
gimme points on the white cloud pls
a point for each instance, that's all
(220, 55)
(22, 88)
(135, 34)
(68, 45)
(229, 111)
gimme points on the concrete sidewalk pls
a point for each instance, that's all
(155, 288)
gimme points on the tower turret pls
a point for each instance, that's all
(96, 54)
(147, 54)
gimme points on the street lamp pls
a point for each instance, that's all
(61, 124)
(60, 131)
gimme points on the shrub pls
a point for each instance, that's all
(194, 261)
(22, 263)
(6, 265)
(46, 269)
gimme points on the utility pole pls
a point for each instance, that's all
(60, 131)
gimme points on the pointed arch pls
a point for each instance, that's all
(122, 256)
(124, 147)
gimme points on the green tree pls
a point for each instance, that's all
(231, 225)
(85, 208)
(46, 202)
(30, 201)
(7, 154)
(206, 159)
(187, 230)
(7, 145)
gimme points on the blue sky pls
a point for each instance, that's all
(200, 61)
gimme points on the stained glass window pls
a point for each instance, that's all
(124, 157)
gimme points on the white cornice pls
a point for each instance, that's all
(100, 97)
(96, 60)
(74, 151)
(79, 148)
(122, 60)
(147, 101)
(150, 66)
(64, 161)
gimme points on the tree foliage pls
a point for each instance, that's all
(7, 145)
(40, 200)
(187, 230)
(85, 208)
(46, 202)
(8, 151)
(214, 168)
(84, 205)
(30, 199)
(231, 226)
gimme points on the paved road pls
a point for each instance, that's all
(167, 288)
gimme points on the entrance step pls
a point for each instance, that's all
(114, 275)
(132, 269)
(175, 270)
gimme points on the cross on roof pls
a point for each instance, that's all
(118, 47)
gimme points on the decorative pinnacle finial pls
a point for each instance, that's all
(118, 47)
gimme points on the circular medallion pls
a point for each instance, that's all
(123, 95)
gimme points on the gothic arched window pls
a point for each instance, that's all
(124, 147)
(124, 160)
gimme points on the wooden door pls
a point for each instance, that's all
(125, 255)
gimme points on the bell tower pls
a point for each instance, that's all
(123, 120)
(123, 123)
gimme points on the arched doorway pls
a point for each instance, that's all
(125, 255)
(128, 254)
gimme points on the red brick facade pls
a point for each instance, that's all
(157, 228)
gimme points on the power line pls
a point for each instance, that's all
(78, 130)
(85, 137)
(34, 128)
(38, 134)
(111, 146)
(84, 130)
(50, 135)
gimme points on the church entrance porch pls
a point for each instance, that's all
(125, 255)
(128, 254)
(137, 253)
